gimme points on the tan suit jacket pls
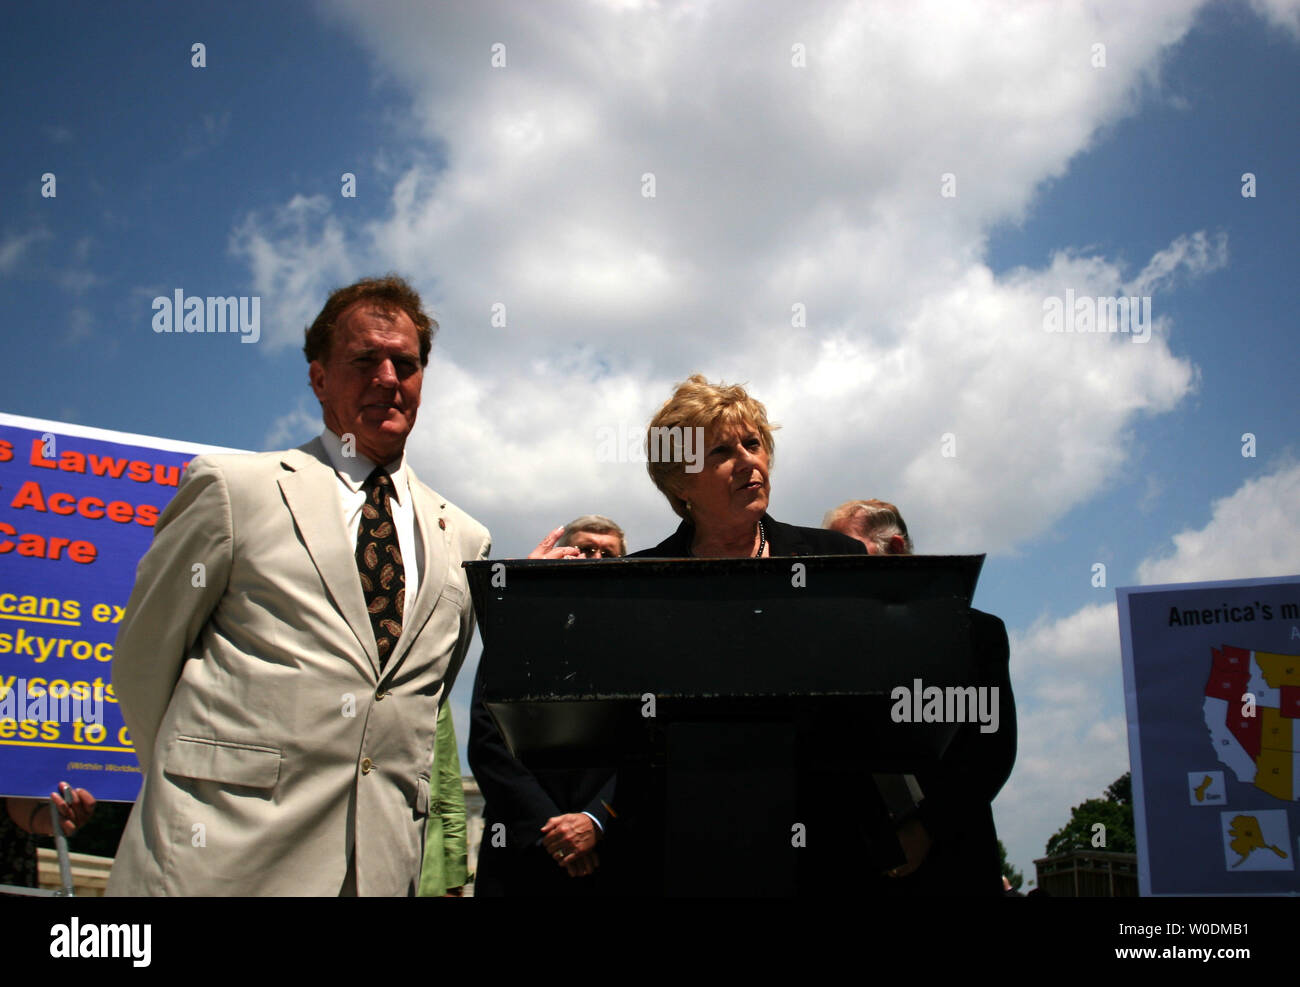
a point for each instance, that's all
(272, 745)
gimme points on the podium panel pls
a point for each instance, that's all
(707, 684)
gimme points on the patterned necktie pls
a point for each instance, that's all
(379, 562)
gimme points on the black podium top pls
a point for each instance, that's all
(573, 649)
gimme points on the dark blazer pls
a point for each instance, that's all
(517, 803)
(957, 811)
(783, 539)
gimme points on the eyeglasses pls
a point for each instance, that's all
(594, 552)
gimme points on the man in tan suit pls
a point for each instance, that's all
(293, 629)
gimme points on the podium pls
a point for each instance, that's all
(743, 703)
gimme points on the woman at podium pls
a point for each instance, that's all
(709, 452)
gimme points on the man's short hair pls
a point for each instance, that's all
(597, 524)
(878, 520)
(389, 293)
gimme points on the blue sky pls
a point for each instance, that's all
(776, 184)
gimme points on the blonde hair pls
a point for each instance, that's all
(698, 404)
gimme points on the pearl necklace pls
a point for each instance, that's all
(762, 542)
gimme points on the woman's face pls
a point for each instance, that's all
(732, 487)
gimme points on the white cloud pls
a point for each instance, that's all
(208, 132)
(1252, 534)
(81, 324)
(1283, 13)
(775, 185)
(78, 280)
(295, 427)
(14, 245)
(521, 450)
(1196, 255)
(1072, 736)
(295, 257)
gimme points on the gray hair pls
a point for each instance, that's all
(597, 524)
(878, 520)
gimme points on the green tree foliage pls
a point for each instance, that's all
(1008, 871)
(1121, 789)
(1114, 812)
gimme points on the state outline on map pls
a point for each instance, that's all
(1251, 707)
(1206, 788)
(1258, 839)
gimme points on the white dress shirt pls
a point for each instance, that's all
(352, 472)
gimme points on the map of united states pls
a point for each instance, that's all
(1258, 743)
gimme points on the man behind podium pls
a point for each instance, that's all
(950, 840)
(294, 626)
(541, 827)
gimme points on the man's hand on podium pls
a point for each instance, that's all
(915, 842)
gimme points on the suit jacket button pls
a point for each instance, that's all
(366, 765)
(380, 696)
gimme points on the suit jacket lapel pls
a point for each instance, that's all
(435, 538)
(309, 490)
